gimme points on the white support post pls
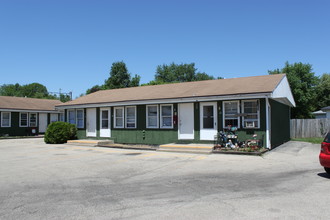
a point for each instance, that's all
(267, 125)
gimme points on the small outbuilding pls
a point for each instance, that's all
(189, 112)
(327, 111)
(319, 114)
(27, 116)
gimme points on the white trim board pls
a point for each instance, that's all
(32, 111)
(168, 101)
(283, 94)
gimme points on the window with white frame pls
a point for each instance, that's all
(152, 116)
(130, 116)
(72, 116)
(23, 119)
(5, 119)
(119, 117)
(33, 120)
(80, 118)
(231, 114)
(251, 114)
(166, 116)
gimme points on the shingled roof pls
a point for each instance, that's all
(207, 88)
(30, 104)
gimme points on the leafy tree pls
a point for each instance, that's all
(178, 73)
(119, 78)
(11, 90)
(154, 82)
(323, 91)
(94, 89)
(135, 81)
(203, 76)
(64, 98)
(35, 90)
(303, 86)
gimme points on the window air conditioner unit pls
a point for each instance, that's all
(249, 124)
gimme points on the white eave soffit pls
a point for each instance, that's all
(169, 101)
(283, 94)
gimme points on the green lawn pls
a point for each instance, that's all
(310, 140)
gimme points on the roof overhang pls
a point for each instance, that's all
(163, 101)
(320, 112)
(28, 110)
(326, 109)
(282, 93)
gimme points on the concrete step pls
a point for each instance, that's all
(92, 143)
(128, 146)
(187, 148)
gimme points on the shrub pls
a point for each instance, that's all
(60, 132)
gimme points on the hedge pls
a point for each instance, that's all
(60, 132)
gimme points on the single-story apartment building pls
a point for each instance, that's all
(27, 116)
(319, 114)
(186, 112)
(327, 111)
(323, 113)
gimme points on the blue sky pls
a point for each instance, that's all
(71, 44)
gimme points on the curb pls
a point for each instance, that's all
(127, 147)
(240, 153)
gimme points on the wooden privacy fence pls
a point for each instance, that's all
(306, 128)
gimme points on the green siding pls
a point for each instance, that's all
(145, 136)
(142, 135)
(97, 121)
(280, 123)
(141, 117)
(196, 121)
(81, 134)
(15, 129)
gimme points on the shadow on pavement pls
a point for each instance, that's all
(324, 175)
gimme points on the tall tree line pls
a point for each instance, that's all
(32, 90)
(172, 73)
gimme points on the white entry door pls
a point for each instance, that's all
(208, 120)
(42, 122)
(186, 121)
(105, 129)
(91, 122)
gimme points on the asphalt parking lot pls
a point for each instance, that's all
(39, 181)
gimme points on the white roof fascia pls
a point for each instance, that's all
(25, 110)
(282, 93)
(320, 112)
(168, 101)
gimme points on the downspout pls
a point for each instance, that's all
(267, 124)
